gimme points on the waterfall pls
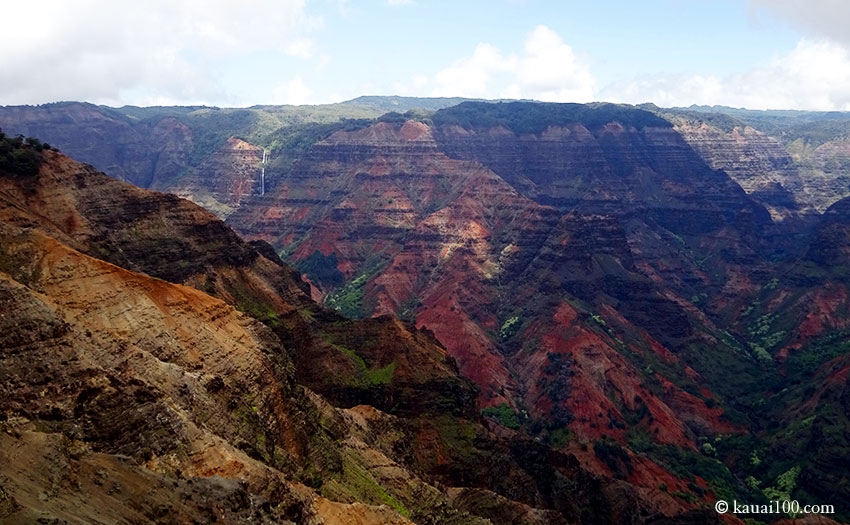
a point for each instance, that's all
(263, 175)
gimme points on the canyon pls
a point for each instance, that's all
(647, 303)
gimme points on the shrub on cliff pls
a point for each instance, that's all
(503, 414)
(614, 456)
(19, 157)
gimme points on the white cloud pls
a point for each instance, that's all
(820, 18)
(814, 76)
(108, 52)
(294, 92)
(474, 76)
(301, 48)
(550, 70)
(547, 69)
(399, 2)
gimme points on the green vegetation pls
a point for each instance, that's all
(356, 482)
(721, 121)
(457, 435)
(502, 414)
(321, 269)
(762, 338)
(307, 314)
(348, 300)
(686, 464)
(380, 376)
(804, 361)
(559, 437)
(366, 376)
(260, 311)
(20, 157)
(407, 310)
(598, 320)
(614, 456)
(297, 138)
(509, 328)
(785, 485)
(211, 129)
(287, 130)
(382, 104)
(534, 117)
(811, 128)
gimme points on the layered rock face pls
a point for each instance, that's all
(643, 297)
(158, 234)
(368, 195)
(149, 153)
(152, 146)
(826, 172)
(759, 163)
(792, 162)
(161, 375)
(129, 398)
(549, 312)
(155, 147)
(637, 169)
(223, 180)
(581, 273)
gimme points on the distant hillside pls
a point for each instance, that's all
(793, 160)
(812, 127)
(152, 146)
(402, 104)
(802, 158)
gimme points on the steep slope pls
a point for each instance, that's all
(154, 233)
(152, 147)
(759, 163)
(176, 382)
(633, 291)
(142, 154)
(362, 231)
(614, 160)
(177, 241)
(527, 300)
(797, 324)
(128, 398)
(223, 180)
(814, 142)
(825, 169)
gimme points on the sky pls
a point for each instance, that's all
(759, 54)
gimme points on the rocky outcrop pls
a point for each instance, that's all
(759, 163)
(223, 180)
(826, 173)
(626, 163)
(177, 241)
(161, 375)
